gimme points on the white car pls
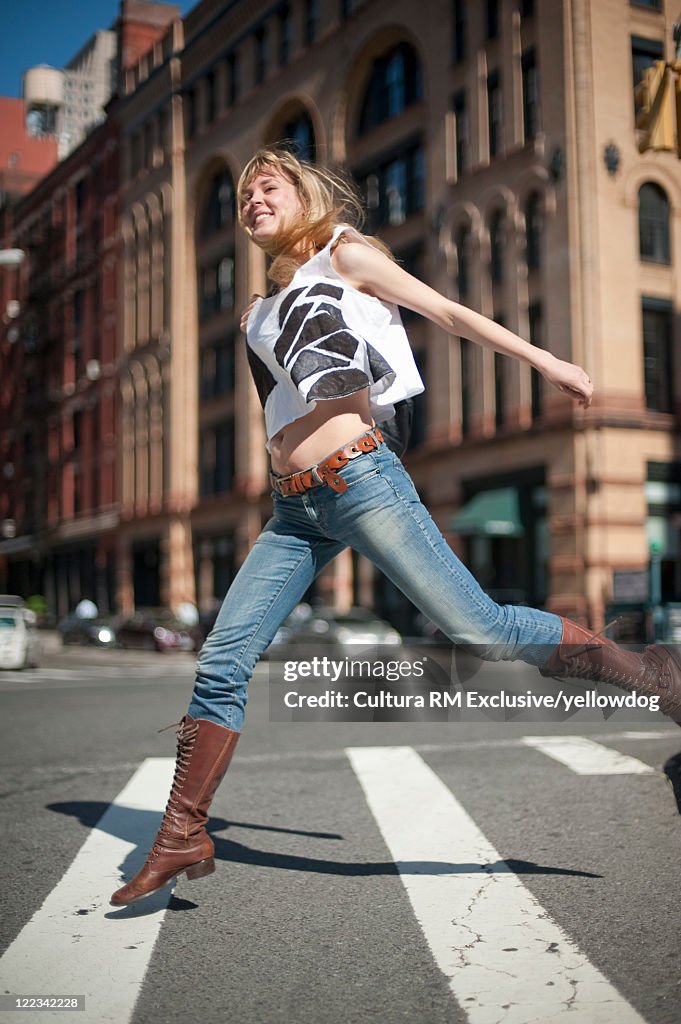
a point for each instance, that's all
(19, 644)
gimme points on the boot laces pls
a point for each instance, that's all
(589, 644)
(186, 738)
(651, 676)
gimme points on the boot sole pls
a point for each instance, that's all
(195, 871)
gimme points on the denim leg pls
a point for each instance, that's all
(280, 567)
(385, 520)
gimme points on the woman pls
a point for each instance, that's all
(330, 358)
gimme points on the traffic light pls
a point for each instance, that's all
(657, 99)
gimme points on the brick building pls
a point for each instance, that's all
(60, 381)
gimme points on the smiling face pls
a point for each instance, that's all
(270, 203)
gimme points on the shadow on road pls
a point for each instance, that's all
(129, 824)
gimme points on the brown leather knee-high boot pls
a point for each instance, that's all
(656, 671)
(204, 751)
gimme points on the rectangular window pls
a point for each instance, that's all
(224, 456)
(494, 113)
(655, 4)
(207, 463)
(653, 224)
(644, 52)
(311, 21)
(211, 97)
(499, 390)
(535, 315)
(395, 189)
(217, 288)
(191, 113)
(465, 347)
(460, 132)
(164, 131)
(492, 19)
(81, 196)
(149, 143)
(530, 95)
(225, 282)
(499, 383)
(77, 428)
(285, 35)
(217, 369)
(216, 458)
(459, 31)
(135, 154)
(260, 55)
(232, 79)
(658, 368)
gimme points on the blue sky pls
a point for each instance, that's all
(49, 32)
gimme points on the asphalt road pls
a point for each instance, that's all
(336, 883)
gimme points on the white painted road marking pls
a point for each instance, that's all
(584, 757)
(505, 959)
(76, 943)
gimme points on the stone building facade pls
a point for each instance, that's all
(495, 144)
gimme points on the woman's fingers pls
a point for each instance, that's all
(247, 311)
(572, 380)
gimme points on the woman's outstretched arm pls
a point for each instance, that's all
(369, 270)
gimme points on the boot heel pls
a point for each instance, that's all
(200, 870)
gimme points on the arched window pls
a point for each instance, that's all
(533, 230)
(653, 223)
(396, 82)
(219, 208)
(297, 134)
(496, 247)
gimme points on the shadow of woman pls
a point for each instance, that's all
(138, 827)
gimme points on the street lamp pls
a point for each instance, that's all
(11, 257)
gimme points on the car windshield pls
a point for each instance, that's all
(7, 622)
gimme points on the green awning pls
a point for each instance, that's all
(490, 514)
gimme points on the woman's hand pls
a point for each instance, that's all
(572, 380)
(247, 312)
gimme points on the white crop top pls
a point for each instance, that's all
(320, 338)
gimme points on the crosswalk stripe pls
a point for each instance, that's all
(94, 673)
(584, 757)
(75, 943)
(504, 957)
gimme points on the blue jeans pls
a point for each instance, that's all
(381, 516)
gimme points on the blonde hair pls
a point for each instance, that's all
(327, 200)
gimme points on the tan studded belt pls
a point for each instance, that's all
(326, 472)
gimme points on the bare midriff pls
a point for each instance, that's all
(331, 425)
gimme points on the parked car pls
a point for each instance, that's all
(345, 632)
(19, 644)
(98, 632)
(157, 629)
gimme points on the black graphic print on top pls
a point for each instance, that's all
(262, 376)
(315, 340)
